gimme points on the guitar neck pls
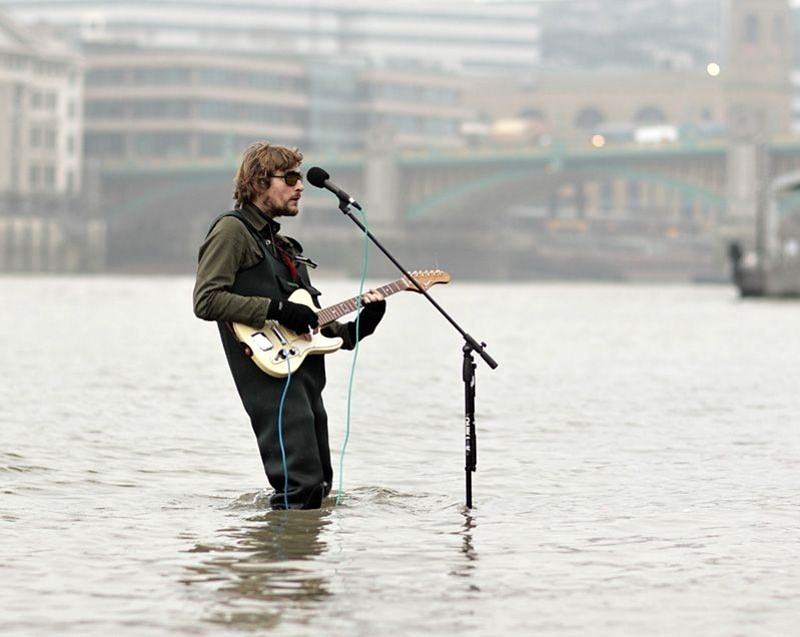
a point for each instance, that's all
(334, 312)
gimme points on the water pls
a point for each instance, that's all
(638, 457)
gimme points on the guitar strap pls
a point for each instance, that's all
(255, 234)
(280, 252)
(295, 265)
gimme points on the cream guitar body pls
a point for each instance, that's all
(277, 350)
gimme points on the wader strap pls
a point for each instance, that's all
(256, 235)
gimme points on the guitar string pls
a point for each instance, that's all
(364, 267)
(333, 312)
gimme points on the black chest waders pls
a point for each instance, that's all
(305, 423)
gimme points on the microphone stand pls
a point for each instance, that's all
(468, 367)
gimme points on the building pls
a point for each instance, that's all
(470, 37)
(738, 88)
(41, 135)
(759, 61)
(195, 80)
(177, 104)
(574, 107)
(46, 221)
(634, 35)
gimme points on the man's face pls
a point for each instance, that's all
(281, 199)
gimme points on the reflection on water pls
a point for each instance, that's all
(466, 567)
(262, 570)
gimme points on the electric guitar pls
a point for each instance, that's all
(276, 349)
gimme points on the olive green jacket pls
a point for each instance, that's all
(228, 248)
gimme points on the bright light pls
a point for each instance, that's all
(598, 141)
(713, 69)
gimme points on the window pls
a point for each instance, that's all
(439, 126)
(105, 145)
(105, 109)
(150, 109)
(634, 195)
(247, 112)
(606, 195)
(102, 77)
(159, 76)
(246, 79)
(50, 177)
(650, 115)
(588, 118)
(751, 28)
(778, 32)
(212, 145)
(532, 113)
(161, 144)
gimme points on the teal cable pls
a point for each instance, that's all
(364, 267)
(280, 436)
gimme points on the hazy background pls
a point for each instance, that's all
(565, 139)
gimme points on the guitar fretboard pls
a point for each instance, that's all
(334, 312)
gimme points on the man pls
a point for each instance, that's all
(245, 274)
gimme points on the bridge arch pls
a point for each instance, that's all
(440, 201)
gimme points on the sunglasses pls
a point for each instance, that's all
(291, 178)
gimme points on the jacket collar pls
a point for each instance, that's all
(258, 219)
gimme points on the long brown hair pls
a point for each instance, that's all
(260, 161)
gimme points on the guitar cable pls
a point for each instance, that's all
(364, 267)
(280, 435)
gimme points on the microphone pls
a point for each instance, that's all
(321, 179)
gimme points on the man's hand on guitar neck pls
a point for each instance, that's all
(371, 314)
(372, 296)
(296, 316)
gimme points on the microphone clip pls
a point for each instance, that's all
(307, 260)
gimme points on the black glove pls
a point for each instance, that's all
(368, 320)
(299, 318)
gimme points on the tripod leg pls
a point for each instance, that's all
(470, 449)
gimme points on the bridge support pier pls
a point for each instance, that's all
(96, 245)
(382, 185)
(580, 199)
(553, 201)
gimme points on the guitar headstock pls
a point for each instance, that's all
(427, 278)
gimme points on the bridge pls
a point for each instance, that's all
(155, 214)
(530, 196)
(620, 180)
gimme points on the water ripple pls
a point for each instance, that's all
(637, 460)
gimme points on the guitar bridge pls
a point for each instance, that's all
(279, 335)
